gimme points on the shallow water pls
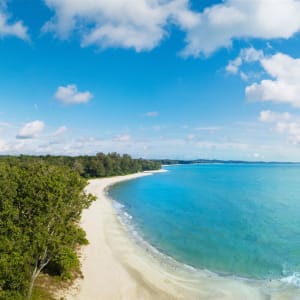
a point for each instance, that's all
(242, 220)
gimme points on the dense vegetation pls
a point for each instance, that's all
(41, 200)
(100, 165)
(40, 206)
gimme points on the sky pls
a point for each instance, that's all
(181, 79)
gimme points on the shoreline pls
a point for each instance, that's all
(114, 266)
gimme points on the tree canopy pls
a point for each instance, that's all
(40, 206)
(99, 165)
(41, 200)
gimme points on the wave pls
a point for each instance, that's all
(127, 221)
(293, 279)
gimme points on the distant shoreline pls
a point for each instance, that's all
(207, 162)
(115, 267)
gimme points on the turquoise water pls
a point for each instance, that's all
(241, 220)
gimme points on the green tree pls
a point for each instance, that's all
(40, 205)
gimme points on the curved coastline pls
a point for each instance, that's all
(115, 266)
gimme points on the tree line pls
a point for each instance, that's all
(99, 165)
(41, 201)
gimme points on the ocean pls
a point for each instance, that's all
(240, 220)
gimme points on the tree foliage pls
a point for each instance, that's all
(41, 200)
(100, 165)
(40, 206)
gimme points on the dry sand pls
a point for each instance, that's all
(116, 266)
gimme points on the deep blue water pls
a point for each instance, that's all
(236, 219)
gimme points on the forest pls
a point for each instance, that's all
(41, 201)
(99, 165)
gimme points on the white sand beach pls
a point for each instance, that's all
(114, 266)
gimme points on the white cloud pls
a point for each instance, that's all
(233, 65)
(173, 146)
(70, 95)
(31, 130)
(143, 24)
(284, 123)
(292, 129)
(151, 114)
(8, 28)
(271, 116)
(284, 86)
(244, 76)
(247, 55)
(61, 130)
(251, 54)
(220, 24)
(140, 25)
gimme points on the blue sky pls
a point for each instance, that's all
(173, 78)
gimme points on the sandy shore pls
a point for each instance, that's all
(115, 266)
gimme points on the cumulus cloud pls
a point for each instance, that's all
(251, 54)
(143, 24)
(283, 70)
(220, 24)
(9, 28)
(70, 95)
(247, 55)
(283, 87)
(140, 25)
(233, 65)
(31, 130)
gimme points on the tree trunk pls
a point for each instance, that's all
(32, 280)
(38, 267)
